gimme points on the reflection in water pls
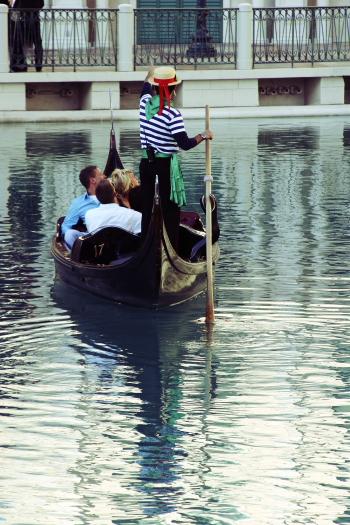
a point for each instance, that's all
(346, 136)
(40, 144)
(117, 415)
(129, 141)
(23, 234)
(287, 139)
(29, 196)
(151, 370)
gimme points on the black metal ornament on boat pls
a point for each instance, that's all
(113, 160)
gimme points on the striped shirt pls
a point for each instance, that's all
(158, 132)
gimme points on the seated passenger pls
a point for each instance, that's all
(89, 177)
(109, 213)
(127, 188)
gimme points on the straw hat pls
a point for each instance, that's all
(164, 74)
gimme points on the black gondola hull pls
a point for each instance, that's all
(122, 286)
(153, 277)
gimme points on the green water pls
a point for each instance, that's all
(117, 415)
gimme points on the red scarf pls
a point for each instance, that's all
(164, 92)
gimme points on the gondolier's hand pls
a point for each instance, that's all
(206, 135)
(209, 135)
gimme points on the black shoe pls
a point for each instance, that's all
(38, 69)
(19, 69)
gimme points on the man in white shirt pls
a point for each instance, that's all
(109, 213)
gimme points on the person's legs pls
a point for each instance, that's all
(70, 237)
(147, 178)
(171, 211)
(16, 38)
(38, 45)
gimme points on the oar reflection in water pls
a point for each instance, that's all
(148, 352)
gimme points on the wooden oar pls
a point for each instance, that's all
(210, 316)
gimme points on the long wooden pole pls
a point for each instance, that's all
(210, 316)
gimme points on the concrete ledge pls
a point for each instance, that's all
(89, 90)
(188, 113)
(303, 71)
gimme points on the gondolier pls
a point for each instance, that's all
(163, 134)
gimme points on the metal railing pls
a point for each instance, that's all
(86, 38)
(185, 36)
(64, 38)
(296, 35)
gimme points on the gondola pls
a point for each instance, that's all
(147, 272)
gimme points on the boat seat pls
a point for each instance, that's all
(104, 246)
(199, 251)
(192, 241)
(192, 219)
(188, 237)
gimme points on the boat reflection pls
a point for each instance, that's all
(152, 346)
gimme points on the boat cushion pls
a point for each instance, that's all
(188, 237)
(192, 219)
(104, 245)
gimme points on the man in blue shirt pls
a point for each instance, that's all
(90, 178)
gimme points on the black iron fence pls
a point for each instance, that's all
(296, 35)
(185, 36)
(64, 38)
(88, 38)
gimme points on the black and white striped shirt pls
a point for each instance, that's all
(160, 130)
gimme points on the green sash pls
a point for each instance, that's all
(177, 193)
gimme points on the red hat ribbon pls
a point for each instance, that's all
(164, 91)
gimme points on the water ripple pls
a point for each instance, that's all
(116, 415)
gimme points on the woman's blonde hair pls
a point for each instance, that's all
(123, 181)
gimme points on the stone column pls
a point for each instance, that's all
(98, 96)
(291, 3)
(67, 4)
(264, 4)
(325, 90)
(245, 37)
(4, 48)
(12, 95)
(125, 41)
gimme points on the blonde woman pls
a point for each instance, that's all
(127, 188)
